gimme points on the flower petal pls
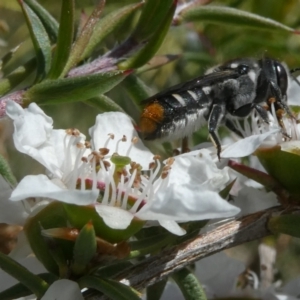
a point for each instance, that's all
(173, 227)
(187, 204)
(246, 146)
(114, 217)
(190, 194)
(32, 134)
(42, 186)
(63, 289)
(119, 124)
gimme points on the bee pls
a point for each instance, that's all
(231, 90)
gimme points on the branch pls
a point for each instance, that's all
(233, 233)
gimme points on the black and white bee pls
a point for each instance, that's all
(227, 91)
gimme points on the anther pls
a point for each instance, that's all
(134, 140)
(104, 151)
(80, 145)
(152, 165)
(84, 159)
(73, 131)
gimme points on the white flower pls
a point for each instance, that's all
(186, 190)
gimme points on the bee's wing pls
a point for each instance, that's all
(202, 81)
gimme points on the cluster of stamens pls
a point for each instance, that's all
(120, 185)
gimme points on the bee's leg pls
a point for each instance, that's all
(215, 117)
(280, 99)
(230, 125)
(262, 112)
(185, 145)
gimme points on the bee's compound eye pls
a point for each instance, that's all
(243, 69)
(282, 79)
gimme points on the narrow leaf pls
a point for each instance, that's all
(48, 21)
(39, 39)
(104, 104)
(20, 290)
(136, 89)
(17, 76)
(107, 25)
(112, 289)
(73, 89)
(157, 62)
(189, 285)
(112, 269)
(151, 244)
(37, 285)
(6, 172)
(153, 15)
(51, 216)
(82, 40)
(229, 16)
(8, 56)
(155, 291)
(84, 249)
(225, 192)
(151, 47)
(65, 38)
(287, 224)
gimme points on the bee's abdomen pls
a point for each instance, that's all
(174, 115)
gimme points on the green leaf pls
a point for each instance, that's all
(50, 217)
(39, 39)
(153, 16)
(189, 285)
(229, 16)
(65, 38)
(151, 244)
(8, 56)
(37, 285)
(73, 88)
(112, 289)
(20, 290)
(287, 224)
(283, 166)
(113, 269)
(155, 291)
(136, 89)
(157, 62)
(225, 192)
(17, 76)
(48, 21)
(81, 42)
(84, 249)
(6, 172)
(107, 25)
(151, 47)
(104, 104)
